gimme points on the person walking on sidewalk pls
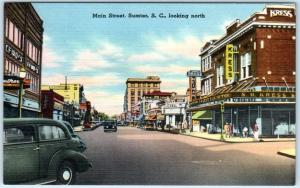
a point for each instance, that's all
(245, 132)
(226, 129)
(255, 132)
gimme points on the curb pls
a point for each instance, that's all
(227, 141)
(286, 155)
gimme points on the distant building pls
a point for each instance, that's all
(72, 93)
(135, 87)
(52, 105)
(23, 41)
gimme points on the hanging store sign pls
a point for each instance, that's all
(13, 83)
(194, 73)
(12, 52)
(193, 88)
(229, 62)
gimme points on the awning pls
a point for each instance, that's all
(160, 117)
(202, 115)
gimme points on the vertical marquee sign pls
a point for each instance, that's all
(193, 74)
(229, 62)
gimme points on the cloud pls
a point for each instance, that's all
(51, 59)
(178, 85)
(108, 102)
(172, 48)
(107, 79)
(109, 49)
(187, 48)
(98, 58)
(89, 60)
(147, 57)
(157, 70)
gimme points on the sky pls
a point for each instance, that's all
(101, 53)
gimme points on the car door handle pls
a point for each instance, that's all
(37, 148)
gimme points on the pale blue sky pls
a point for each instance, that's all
(101, 53)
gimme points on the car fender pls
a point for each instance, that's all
(79, 159)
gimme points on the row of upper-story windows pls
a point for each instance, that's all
(11, 68)
(245, 72)
(16, 36)
(143, 85)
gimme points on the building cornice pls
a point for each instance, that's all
(248, 27)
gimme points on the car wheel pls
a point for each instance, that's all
(66, 174)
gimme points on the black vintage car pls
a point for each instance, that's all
(110, 126)
(38, 151)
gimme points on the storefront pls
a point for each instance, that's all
(201, 120)
(275, 116)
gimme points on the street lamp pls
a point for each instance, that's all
(22, 75)
(222, 118)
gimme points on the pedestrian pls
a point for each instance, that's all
(226, 129)
(255, 132)
(230, 130)
(245, 132)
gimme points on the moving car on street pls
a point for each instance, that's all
(38, 151)
(110, 126)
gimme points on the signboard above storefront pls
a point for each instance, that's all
(248, 94)
(13, 83)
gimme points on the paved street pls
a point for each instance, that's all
(137, 157)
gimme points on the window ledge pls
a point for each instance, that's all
(245, 78)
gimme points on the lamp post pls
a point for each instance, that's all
(22, 75)
(222, 118)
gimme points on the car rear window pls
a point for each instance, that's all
(19, 134)
(47, 132)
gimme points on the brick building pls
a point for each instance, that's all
(52, 105)
(23, 40)
(251, 70)
(135, 87)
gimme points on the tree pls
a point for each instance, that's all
(103, 116)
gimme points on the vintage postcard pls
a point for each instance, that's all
(156, 93)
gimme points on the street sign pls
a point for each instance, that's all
(194, 73)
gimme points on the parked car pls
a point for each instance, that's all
(110, 126)
(37, 151)
(74, 135)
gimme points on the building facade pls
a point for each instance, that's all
(72, 93)
(23, 41)
(135, 87)
(52, 105)
(251, 71)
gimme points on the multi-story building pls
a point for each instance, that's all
(52, 105)
(23, 40)
(72, 93)
(251, 70)
(135, 87)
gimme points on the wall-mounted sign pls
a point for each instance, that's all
(249, 94)
(32, 67)
(286, 13)
(13, 83)
(194, 73)
(229, 62)
(13, 53)
(193, 87)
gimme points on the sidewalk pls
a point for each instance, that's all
(216, 137)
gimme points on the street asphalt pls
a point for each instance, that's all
(134, 156)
